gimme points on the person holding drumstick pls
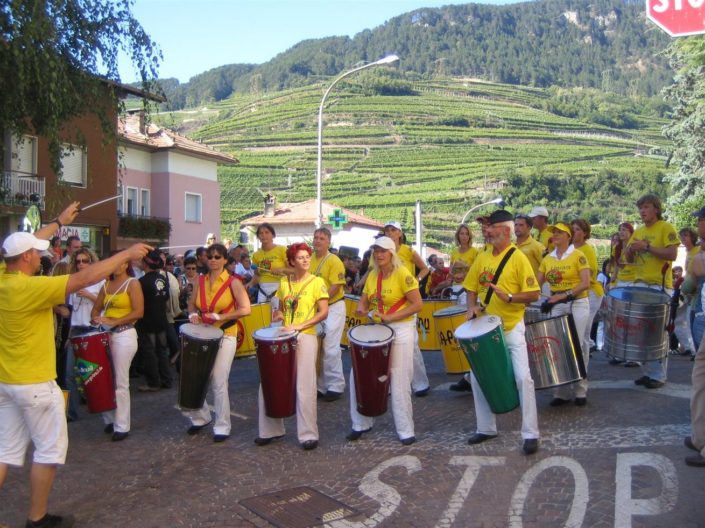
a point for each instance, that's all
(509, 293)
(392, 292)
(271, 264)
(567, 271)
(219, 299)
(303, 299)
(119, 305)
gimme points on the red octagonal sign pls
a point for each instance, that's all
(677, 17)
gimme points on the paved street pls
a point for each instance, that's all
(616, 462)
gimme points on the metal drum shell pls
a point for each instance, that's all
(635, 323)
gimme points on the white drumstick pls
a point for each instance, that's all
(100, 202)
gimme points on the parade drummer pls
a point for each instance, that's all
(331, 382)
(392, 294)
(532, 248)
(270, 264)
(219, 299)
(651, 249)
(539, 217)
(463, 253)
(28, 359)
(567, 272)
(623, 272)
(509, 294)
(303, 301)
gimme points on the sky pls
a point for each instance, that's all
(197, 35)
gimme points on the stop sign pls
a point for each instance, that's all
(677, 17)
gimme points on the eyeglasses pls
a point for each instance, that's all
(216, 257)
(83, 261)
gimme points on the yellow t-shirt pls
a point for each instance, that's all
(688, 258)
(222, 304)
(275, 258)
(533, 249)
(27, 349)
(332, 270)
(648, 267)
(468, 257)
(394, 288)
(544, 239)
(626, 272)
(589, 252)
(517, 277)
(406, 255)
(301, 298)
(564, 274)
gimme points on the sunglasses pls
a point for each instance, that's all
(216, 257)
(190, 267)
(83, 261)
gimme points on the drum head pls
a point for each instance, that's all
(477, 327)
(89, 335)
(371, 333)
(272, 333)
(450, 311)
(201, 331)
(640, 295)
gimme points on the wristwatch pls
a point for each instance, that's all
(510, 297)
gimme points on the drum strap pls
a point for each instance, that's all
(495, 279)
(205, 308)
(320, 265)
(380, 304)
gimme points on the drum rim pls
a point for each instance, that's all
(368, 343)
(653, 291)
(458, 310)
(90, 334)
(183, 330)
(477, 319)
(278, 337)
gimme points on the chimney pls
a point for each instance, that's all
(268, 206)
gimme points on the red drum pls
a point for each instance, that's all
(370, 350)
(92, 353)
(276, 356)
(199, 348)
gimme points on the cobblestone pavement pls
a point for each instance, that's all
(616, 462)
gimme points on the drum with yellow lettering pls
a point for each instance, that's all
(260, 317)
(446, 321)
(425, 325)
(351, 319)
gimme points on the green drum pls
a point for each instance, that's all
(482, 341)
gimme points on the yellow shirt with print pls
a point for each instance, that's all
(307, 294)
(516, 277)
(267, 260)
(27, 349)
(564, 274)
(646, 265)
(222, 304)
(468, 256)
(533, 249)
(332, 270)
(626, 272)
(406, 255)
(591, 256)
(394, 288)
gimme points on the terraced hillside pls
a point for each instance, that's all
(451, 145)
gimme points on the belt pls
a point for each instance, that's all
(331, 304)
(557, 292)
(122, 328)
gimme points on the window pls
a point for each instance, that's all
(144, 202)
(23, 157)
(120, 200)
(73, 165)
(131, 209)
(193, 207)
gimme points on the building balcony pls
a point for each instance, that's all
(22, 189)
(149, 228)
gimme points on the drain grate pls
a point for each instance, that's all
(301, 507)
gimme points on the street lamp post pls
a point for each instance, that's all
(499, 201)
(389, 59)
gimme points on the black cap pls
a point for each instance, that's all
(154, 259)
(499, 216)
(700, 213)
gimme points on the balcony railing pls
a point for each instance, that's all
(22, 189)
(143, 227)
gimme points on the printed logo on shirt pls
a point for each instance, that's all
(582, 260)
(530, 281)
(671, 237)
(409, 281)
(486, 277)
(554, 276)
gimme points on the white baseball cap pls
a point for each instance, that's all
(393, 224)
(18, 243)
(385, 243)
(538, 211)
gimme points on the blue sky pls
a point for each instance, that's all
(197, 35)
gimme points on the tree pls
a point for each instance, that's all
(56, 57)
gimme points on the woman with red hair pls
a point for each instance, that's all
(303, 302)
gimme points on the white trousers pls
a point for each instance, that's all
(595, 303)
(580, 308)
(267, 287)
(419, 380)
(400, 372)
(123, 347)
(306, 410)
(486, 421)
(332, 377)
(218, 382)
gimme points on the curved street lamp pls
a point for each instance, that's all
(498, 201)
(389, 59)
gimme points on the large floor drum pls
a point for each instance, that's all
(446, 321)
(370, 351)
(425, 323)
(276, 357)
(555, 356)
(92, 353)
(351, 318)
(199, 348)
(636, 322)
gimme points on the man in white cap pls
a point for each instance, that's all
(539, 216)
(28, 360)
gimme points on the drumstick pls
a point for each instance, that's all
(100, 202)
(185, 245)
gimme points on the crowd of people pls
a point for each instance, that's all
(141, 295)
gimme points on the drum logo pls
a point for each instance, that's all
(542, 348)
(629, 326)
(87, 370)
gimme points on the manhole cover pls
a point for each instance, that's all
(301, 507)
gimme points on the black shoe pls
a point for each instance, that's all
(642, 380)
(355, 435)
(531, 445)
(557, 402)
(320, 395)
(653, 384)
(408, 441)
(217, 438)
(478, 438)
(118, 436)
(423, 392)
(195, 429)
(463, 385)
(632, 364)
(51, 521)
(331, 396)
(580, 402)
(308, 445)
(265, 441)
(615, 361)
(688, 442)
(108, 429)
(695, 460)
